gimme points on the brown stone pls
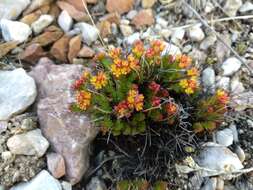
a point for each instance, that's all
(30, 18)
(60, 48)
(73, 12)
(144, 18)
(78, 4)
(69, 134)
(111, 17)
(50, 35)
(56, 165)
(74, 47)
(54, 10)
(104, 28)
(119, 6)
(32, 53)
(7, 47)
(36, 4)
(86, 52)
(148, 3)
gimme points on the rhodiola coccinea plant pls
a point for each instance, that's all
(129, 91)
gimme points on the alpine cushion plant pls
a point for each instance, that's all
(129, 91)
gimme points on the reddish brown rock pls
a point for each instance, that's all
(76, 14)
(119, 6)
(86, 52)
(78, 4)
(74, 47)
(32, 53)
(111, 17)
(56, 165)
(54, 10)
(30, 18)
(60, 48)
(144, 18)
(104, 28)
(69, 134)
(7, 47)
(50, 35)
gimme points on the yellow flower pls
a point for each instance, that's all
(83, 99)
(183, 83)
(184, 61)
(139, 102)
(138, 49)
(120, 67)
(99, 81)
(189, 91)
(115, 53)
(193, 72)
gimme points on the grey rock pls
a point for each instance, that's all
(242, 101)
(230, 66)
(66, 186)
(221, 50)
(171, 49)
(131, 14)
(42, 181)
(236, 86)
(132, 38)
(196, 34)
(39, 25)
(89, 32)
(30, 143)
(240, 153)
(96, 184)
(209, 7)
(177, 36)
(208, 42)
(14, 30)
(210, 184)
(224, 137)
(69, 134)
(218, 159)
(232, 6)
(3, 126)
(10, 10)
(17, 92)
(126, 30)
(250, 123)
(246, 7)
(223, 83)
(162, 22)
(65, 21)
(208, 79)
(233, 128)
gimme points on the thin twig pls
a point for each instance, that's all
(205, 23)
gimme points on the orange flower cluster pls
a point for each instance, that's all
(171, 108)
(184, 61)
(99, 81)
(155, 49)
(78, 83)
(222, 96)
(83, 99)
(138, 48)
(193, 72)
(189, 85)
(123, 67)
(133, 101)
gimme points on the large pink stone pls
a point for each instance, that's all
(69, 134)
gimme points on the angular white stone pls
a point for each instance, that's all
(126, 30)
(30, 143)
(65, 21)
(223, 83)
(208, 78)
(218, 159)
(208, 42)
(236, 86)
(171, 49)
(39, 25)
(231, 7)
(12, 9)
(247, 6)
(42, 181)
(224, 137)
(131, 39)
(17, 92)
(196, 34)
(14, 30)
(230, 66)
(177, 36)
(89, 32)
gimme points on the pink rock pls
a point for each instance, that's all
(119, 6)
(69, 134)
(144, 17)
(56, 164)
